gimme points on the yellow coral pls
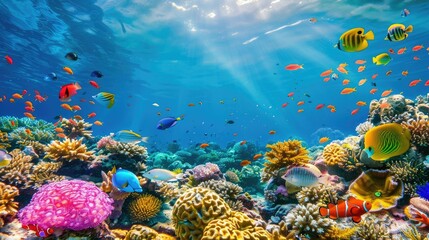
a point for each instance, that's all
(237, 226)
(76, 128)
(195, 209)
(140, 232)
(379, 188)
(144, 207)
(8, 208)
(333, 154)
(68, 150)
(18, 171)
(282, 155)
(44, 172)
(412, 233)
(168, 191)
(340, 233)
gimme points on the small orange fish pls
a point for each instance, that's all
(91, 115)
(91, 102)
(417, 48)
(360, 62)
(257, 156)
(355, 111)
(414, 82)
(61, 135)
(326, 73)
(342, 65)
(300, 103)
(28, 131)
(384, 105)
(346, 81)
(300, 110)
(59, 130)
(374, 76)
(405, 73)
(320, 106)
(76, 108)
(372, 91)
(290, 94)
(330, 106)
(323, 140)
(11, 100)
(66, 107)
(386, 93)
(191, 105)
(29, 109)
(326, 79)
(29, 115)
(427, 83)
(12, 123)
(361, 103)
(313, 20)
(28, 104)
(362, 82)
(401, 51)
(361, 68)
(98, 123)
(204, 145)
(284, 105)
(17, 96)
(348, 90)
(245, 163)
(272, 132)
(78, 117)
(39, 98)
(293, 67)
(333, 109)
(68, 70)
(342, 70)
(243, 142)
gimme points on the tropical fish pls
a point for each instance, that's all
(361, 103)
(128, 136)
(66, 107)
(354, 40)
(284, 105)
(290, 94)
(360, 62)
(414, 82)
(91, 115)
(348, 90)
(354, 111)
(302, 176)
(245, 163)
(29, 115)
(39, 232)
(96, 74)
(76, 108)
(68, 70)
(105, 98)
(362, 82)
(361, 68)
(5, 158)
(272, 132)
(71, 56)
(17, 96)
(346, 81)
(417, 48)
(405, 73)
(69, 90)
(326, 73)
(8, 59)
(155, 104)
(342, 70)
(125, 180)
(402, 50)
(257, 156)
(427, 83)
(98, 123)
(300, 103)
(405, 12)
(398, 32)
(293, 67)
(162, 175)
(351, 207)
(204, 145)
(385, 141)
(323, 140)
(320, 106)
(381, 59)
(169, 122)
(94, 84)
(51, 76)
(386, 93)
(334, 76)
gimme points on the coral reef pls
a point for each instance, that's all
(168, 191)
(232, 176)
(205, 172)
(379, 188)
(335, 154)
(8, 207)
(144, 207)
(227, 190)
(23, 133)
(318, 194)
(140, 232)
(364, 127)
(38, 147)
(410, 170)
(74, 128)
(18, 171)
(372, 229)
(282, 155)
(338, 233)
(122, 150)
(412, 233)
(74, 205)
(419, 130)
(68, 150)
(418, 210)
(44, 172)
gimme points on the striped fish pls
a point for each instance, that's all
(354, 40)
(302, 176)
(398, 32)
(105, 98)
(128, 136)
(351, 207)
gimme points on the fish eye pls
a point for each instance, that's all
(359, 32)
(370, 149)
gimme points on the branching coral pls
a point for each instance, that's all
(76, 128)
(44, 172)
(306, 219)
(8, 208)
(68, 150)
(371, 229)
(319, 194)
(419, 130)
(4, 140)
(282, 155)
(144, 207)
(412, 233)
(140, 232)
(168, 191)
(362, 128)
(410, 170)
(18, 171)
(130, 150)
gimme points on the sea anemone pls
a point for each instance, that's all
(144, 207)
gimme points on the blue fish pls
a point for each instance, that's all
(125, 181)
(97, 74)
(167, 123)
(51, 76)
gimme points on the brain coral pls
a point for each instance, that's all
(74, 205)
(282, 155)
(140, 232)
(144, 207)
(195, 209)
(68, 150)
(334, 154)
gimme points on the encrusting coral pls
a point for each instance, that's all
(282, 155)
(377, 187)
(144, 207)
(18, 171)
(76, 128)
(8, 207)
(140, 232)
(68, 150)
(318, 194)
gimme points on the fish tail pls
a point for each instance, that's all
(111, 102)
(145, 139)
(409, 28)
(77, 85)
(369, 35)
(374, 60)
(323, 211)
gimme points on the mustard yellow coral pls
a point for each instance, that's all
(44, 172)
(8, 208)
(68, 150)
(140, 232)
(334, 154)
(144, 207)
(282, 155)
(337, 233)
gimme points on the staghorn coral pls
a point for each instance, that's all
(237, 226)
(17, 173)
(8, 208)
(410, 170)
(232, 176)
(282, 155)
(193, 211)
(377, 187)
(140, 232)
(371, 229)
(144, 207)
(419, 130)
(318, 194)
(44, 172)
(76, 128)
(306, 219)
(68, 150)
(362, 128)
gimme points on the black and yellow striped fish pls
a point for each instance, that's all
(386, 141)
(354, 40)
(398, 32)
(105, 98)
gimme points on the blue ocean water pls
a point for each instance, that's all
(227, 55)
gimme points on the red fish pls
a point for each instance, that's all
(69, 90)
(320, 106)
(427, 83)
(39, 232)
(243, 142)
(24, 92)
(414, 82)
(94, 84)
(8, 59)
(284, 105)
(293, 67)
(355, 111)
(351, 207)
(290, 94)
(91, 115)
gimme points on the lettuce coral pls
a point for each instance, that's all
(8, 207)
(68, 150)
(144, 207)
(282, 155)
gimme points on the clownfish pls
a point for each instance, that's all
(351, 207)
(39, 232)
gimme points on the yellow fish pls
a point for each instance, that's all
(398, 32)
(354, 40)
(5, 158)
(386, 141)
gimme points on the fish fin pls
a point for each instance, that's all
(112, 101)
(323, 211)
(409, 28)
(77, 85)
(331, 205)
(114, 170)
(354, 210)
(145, 139)
(179, 176)
(124, 185)
(356, 219)
(369, 35)
(341, 201)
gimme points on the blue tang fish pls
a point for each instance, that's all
(167, 122)
(125, 181)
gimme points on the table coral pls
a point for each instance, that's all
(140, 232)
(68, 150)
(282, 155)
(18, 171)
(8, 207)
(237, 226)
(144, 207)
(193, 211)
(379, 188)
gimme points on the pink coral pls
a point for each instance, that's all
(206, 172)
(74, 205)
(106, 141)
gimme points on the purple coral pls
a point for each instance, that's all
(74, 205)
(206, 172)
